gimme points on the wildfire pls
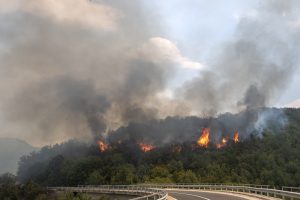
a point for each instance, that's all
(204, 139)
(223, 143)
(146, 147)
(236, 137)
(102, 146)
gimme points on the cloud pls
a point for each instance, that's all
(163, 50)
(86, 13)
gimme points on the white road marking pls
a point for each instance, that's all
(192, 195)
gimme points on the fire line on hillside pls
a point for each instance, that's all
(203, 142)
(204, 139)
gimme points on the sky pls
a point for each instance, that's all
(81, 68)
(199, 27)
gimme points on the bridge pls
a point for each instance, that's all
(190, 192)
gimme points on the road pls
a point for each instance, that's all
(195, 195)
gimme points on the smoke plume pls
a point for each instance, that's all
(84, 68)
(252, 69)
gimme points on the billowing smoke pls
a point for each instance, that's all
(83, 68)
(68, 74)
(252, 69)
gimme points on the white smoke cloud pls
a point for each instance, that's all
(86, 13)
(163, 50)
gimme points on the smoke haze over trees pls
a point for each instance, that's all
(272, 159)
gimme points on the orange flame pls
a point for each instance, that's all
(146, 147)
(236, 137)
(223, 143)
(204, 139)
(102, 146)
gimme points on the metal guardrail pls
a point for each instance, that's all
(253, 189)
(292, 189)
(156, 192)
(227, 184)
(143, 193)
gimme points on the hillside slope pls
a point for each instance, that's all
(10, 152)
(272, 157)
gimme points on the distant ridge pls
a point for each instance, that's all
(11, 149)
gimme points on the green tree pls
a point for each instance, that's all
(7, 178)
(124, 174)
(95, 178)
(185, 177)
(31, 190)
(160, 174)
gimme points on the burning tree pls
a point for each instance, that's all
(203, 141)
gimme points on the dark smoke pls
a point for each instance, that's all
(62, 79)
(253, 98)
(68, 80)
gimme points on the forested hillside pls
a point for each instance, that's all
(271, 157)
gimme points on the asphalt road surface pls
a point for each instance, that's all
(195, 195)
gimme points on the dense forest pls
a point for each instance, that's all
(271, 157)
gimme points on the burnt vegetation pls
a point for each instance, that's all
(267, 155)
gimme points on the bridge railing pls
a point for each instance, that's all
(250, 189)
(142, 192)
(157, 192)
(292, 189)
